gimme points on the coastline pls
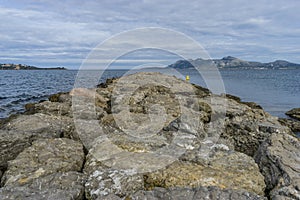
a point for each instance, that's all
(35, 69)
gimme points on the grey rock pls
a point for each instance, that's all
(294, 113)
(68, 185)
(19, 133)
(279, 161)
(47, 125)
(248, 128)
(87, 132)
(44, 157)
(102, 183)
(13, 142)
(109, 197)
(146, 152)
(48, 107)
(223, 169)
(199, 193)
(294, 125)
(62, 97)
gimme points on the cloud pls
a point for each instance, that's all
(38, 31)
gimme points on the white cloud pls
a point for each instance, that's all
(67, 29)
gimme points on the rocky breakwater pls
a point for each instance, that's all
(147, 136)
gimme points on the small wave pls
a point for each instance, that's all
(23, 95)
(32, 98)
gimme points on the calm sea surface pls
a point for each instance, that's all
(275, 90)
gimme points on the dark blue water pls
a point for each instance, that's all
(276, 90)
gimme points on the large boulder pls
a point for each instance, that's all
(12, 143)
(279, 160)
(49, 169)
(66, 185)
(44, 157)
(225, 170)
(20, 131)
(39, 123)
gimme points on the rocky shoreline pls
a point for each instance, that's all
(148, 136)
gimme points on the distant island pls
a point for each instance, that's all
(230, 62)
(26, 67)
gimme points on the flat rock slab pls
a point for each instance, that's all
(44, 157)
(224, 171)
(39, 123)
(67, 186)
(12, 142)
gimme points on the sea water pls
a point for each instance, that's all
(277, 91)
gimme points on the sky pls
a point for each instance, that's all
(47, 33)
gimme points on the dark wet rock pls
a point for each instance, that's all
(67, 185)
(253, 105)
(294, 113)
(5, 121)
(278, 158)
(61, 97)
(29, 108)
(195, 194)
(238, 99)
(44, 157)
(294, 125)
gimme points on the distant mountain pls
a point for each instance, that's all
(26, 67)
(230, 62)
